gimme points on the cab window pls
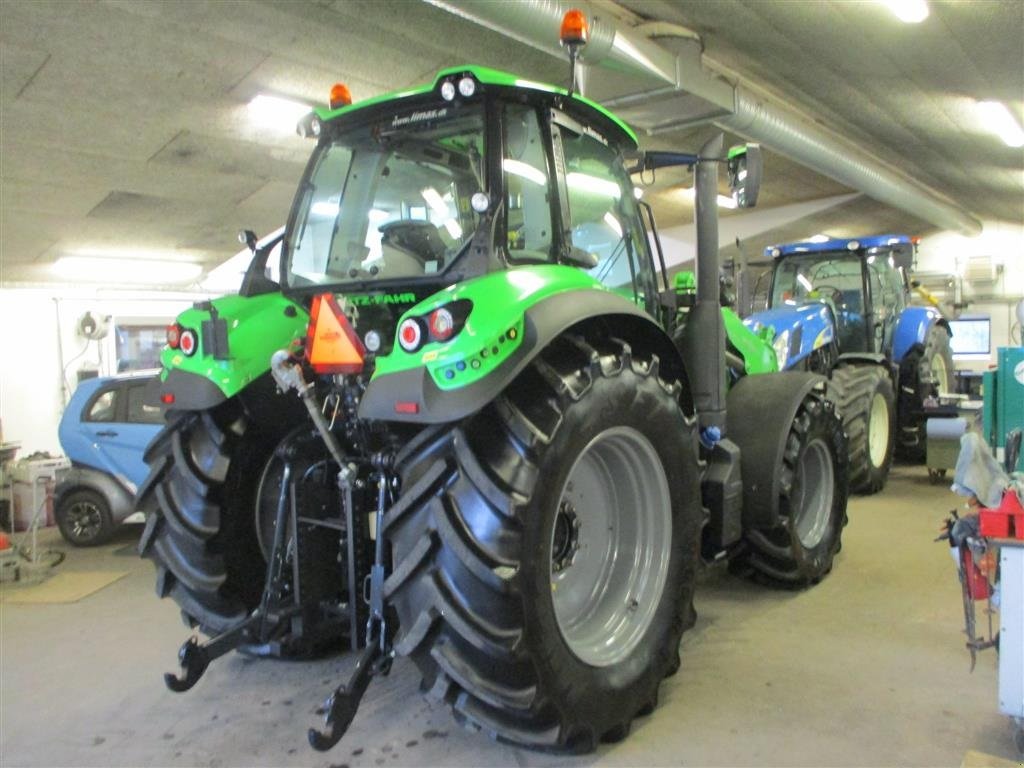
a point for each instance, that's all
(603, 217)
(527, 195)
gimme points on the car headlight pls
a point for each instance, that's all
(781, 347)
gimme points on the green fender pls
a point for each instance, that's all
(515, 314)
(757, 353)
(755, 349)
(254, 327)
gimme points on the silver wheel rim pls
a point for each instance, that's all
(610, 546)
(815, 486)
(940, 374)
(878, 430)
(84, 520)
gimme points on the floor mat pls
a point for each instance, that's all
(63, 587)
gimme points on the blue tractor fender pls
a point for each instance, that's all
(800, 329)
(912, 328)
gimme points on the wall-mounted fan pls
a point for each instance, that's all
(93, 325)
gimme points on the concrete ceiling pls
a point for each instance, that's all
(124, 128)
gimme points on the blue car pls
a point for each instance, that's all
(104, 432)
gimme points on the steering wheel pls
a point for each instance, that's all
(417, 238)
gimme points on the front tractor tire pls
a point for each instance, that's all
(544, 550)
(799, 549)
(865, 401)
(200, 522)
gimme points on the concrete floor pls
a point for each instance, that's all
(867, 669)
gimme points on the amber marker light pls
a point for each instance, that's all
(341, 96)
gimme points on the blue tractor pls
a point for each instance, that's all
(841, 308)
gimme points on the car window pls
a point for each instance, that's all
(102, 408)
(138, 411)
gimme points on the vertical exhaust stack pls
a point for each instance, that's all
(704, 334)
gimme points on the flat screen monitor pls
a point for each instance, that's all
(972, 337)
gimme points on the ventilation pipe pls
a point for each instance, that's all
(668, 76)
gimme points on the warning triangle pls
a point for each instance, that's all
(332, 345)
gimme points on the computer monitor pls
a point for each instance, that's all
(972, 338)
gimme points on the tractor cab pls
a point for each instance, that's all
(862, 282)
(479, 172)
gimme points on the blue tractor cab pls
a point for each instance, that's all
(842, 308)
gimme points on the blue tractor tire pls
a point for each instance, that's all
(864, 398)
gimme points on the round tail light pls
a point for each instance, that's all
(410, 335)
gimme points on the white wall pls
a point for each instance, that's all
(948, 252)
(32, 382)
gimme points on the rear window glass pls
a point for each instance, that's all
(102, 408)
(138, 410)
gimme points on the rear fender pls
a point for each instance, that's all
(912, 328)
(236, 335)
(515, 315)
(760, 412)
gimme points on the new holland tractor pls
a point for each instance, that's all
(842, 308)
(470, 426)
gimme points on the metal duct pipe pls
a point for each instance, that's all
(790, 135)
(536, 23)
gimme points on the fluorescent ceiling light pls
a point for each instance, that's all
(586, 183)
(724, 201)
(612, 222)
(453, 228)
(1001, 121)
(324, 208)
(434, 201)
(524, 171)
(908, 11)
(96, 269)
(804, 282)
(276, 113)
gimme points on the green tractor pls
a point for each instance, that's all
(468, 425)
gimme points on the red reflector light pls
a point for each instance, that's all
(442, 324)
(407, 407)
(341, 96)
(331, 343)
(173, 335)
(167, 398)
(409, 335)
(574, 30)
(187, 342)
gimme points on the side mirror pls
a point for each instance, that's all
(903, 256)
(247, 238)
(746, 167)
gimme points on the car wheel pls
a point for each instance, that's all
(84, 518)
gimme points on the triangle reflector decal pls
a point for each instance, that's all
(332, 345)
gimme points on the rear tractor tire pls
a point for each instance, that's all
(865, 401)
(799, 550)
(926, 371)
(200, 523)
(544, 550)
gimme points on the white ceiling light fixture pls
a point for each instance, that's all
(97, 269)
(1000, 121)
(908, 11)
(277, 113)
